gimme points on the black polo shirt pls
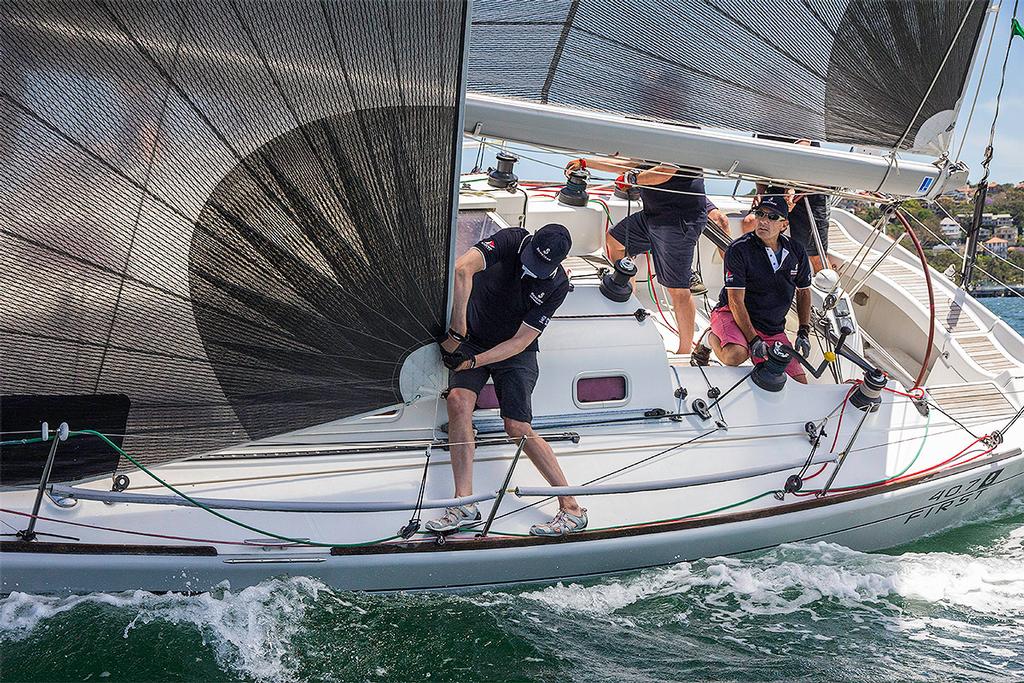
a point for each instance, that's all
(769, 291)
(685, 198)
(503, 298)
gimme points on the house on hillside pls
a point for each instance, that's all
(950, 229)
(1006, 232)
(997, 246)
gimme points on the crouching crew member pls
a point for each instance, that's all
(507, 287)
(763, 270)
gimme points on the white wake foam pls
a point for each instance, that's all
(796, 576)
(250, 631)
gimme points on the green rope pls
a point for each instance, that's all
(222, 516)
(298, 541)
(20, 442)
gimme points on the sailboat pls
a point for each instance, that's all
(227, 246)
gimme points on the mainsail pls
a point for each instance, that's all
(886, 74)
(232, 218)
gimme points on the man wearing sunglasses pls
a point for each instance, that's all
(764, 269)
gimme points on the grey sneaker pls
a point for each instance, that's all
(563, 524)
(697, 286)
(454, 519)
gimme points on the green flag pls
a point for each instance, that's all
(1016, 29)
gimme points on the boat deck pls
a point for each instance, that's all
(962, 327)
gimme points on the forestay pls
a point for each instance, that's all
(883, 74)
(235, 215)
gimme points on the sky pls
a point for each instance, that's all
(1008, 158)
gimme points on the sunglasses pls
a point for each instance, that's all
(770, 215)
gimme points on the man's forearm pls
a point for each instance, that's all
(460, 301)
(611, 166)
(803, 306)
(740, 315)
(502, 351)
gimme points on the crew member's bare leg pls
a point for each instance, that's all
(729, 354)
(613, 249)
(543, 458)
(461, 403)
(686, 314)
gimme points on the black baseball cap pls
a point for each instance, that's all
(775, 202)
(545, 249)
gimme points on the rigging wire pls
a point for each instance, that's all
(981, 78)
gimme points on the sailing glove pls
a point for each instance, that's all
(803, 341)
(758, 347)
(458, 357)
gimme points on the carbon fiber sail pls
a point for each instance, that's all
(876, 73)
(235, 215)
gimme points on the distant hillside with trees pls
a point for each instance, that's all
(1002, 199)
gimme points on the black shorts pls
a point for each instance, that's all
(800, 224)
(672, 244)
(514, 380)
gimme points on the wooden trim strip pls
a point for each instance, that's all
(106, 549)
(694, 523)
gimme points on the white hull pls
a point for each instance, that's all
(878, 521)
(936, 472)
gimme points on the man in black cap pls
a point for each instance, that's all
(507, 287)
(803, 207)
(764, 269)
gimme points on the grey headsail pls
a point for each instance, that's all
(232, 218)
(868, 72)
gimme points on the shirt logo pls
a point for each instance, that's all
(543, 253)
(544, 320)
(537, 297)
(728, 276)
(489, 245)
(793, 272)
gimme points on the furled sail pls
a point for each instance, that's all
(232, 219)
(882, 73)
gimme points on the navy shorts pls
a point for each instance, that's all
(514, 379)
(672, 244)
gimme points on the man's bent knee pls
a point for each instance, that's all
(613, 248)
(679, 293)
(733, 354)
(517, 429)
(460, 402)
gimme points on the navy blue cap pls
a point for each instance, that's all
(775, 202)
(546, 249)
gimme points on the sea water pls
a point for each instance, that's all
(950, 607)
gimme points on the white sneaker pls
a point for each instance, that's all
(563, 524)
(454, 518)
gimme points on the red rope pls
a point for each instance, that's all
(931, 297)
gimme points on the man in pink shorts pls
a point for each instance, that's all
(764, 269)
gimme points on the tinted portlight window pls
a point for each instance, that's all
(594, 389)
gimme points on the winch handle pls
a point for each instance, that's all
(817, 372)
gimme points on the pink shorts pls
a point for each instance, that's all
(728, 332)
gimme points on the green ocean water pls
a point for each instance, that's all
(950, 607)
